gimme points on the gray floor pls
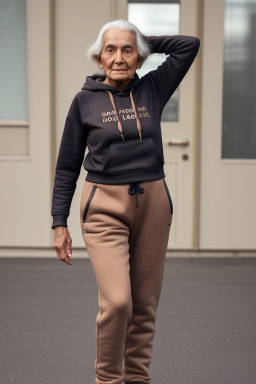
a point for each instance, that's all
(206, 327)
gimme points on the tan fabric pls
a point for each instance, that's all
(127, 247)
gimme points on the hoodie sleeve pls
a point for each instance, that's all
(70, 158)
(182, 51)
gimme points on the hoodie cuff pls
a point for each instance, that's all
(59, 221)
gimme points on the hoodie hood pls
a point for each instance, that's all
(95, 83)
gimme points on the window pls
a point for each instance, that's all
(13, 65)
(239, 84)
(157, 18)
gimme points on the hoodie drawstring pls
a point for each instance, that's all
(135, 188)
(119, 125)
(136, 115)
(120, 128)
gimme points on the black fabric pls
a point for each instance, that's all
(92, 123)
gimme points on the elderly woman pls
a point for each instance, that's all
(126, 208)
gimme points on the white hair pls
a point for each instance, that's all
(142, 46)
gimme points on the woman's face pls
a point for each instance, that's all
(119, 57)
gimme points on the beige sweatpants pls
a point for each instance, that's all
(126, 237)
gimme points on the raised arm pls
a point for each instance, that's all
(181, 51)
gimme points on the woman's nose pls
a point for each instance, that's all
(118, 56)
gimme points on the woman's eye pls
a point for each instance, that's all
(128, 51)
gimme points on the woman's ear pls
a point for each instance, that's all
(99, 62)
(139, 62)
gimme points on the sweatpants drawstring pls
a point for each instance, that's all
(135, 188)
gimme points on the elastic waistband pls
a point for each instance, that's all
(126, 178)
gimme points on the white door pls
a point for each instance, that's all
(180, 161)
(179, 133)
(228, 172)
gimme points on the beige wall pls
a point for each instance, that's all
(59, 32)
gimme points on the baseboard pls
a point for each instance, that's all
(81, 253)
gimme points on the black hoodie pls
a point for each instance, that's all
(120, 129)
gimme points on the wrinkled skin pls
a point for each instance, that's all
(62, 244)
(119, 57)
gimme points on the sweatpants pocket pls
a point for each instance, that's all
(87, 205)
(169, 196)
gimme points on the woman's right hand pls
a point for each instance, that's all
(62, 244)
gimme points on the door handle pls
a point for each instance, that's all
(180, 142)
